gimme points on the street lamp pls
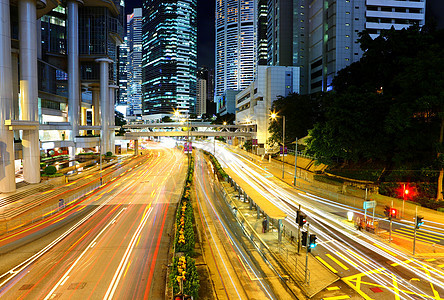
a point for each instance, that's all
(274, 117)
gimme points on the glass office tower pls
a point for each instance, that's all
(236, 50)
(169, 56)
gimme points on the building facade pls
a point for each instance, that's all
(201, 97)
(134, 63)
(123, 73)
(321, 37)
(58, 68)
(253, 104)
(236, 50)
(169, 57)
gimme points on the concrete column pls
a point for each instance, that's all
(96, 108)
(73, 67)
(136, 147)
(104, 102)
(7, 170)
(29, 88)
(15, 91)
(112, 113)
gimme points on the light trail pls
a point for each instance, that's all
(280, 197)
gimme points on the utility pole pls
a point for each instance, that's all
(295, 160)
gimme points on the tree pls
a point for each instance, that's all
(300, 111)
(167, 119)
(120, 121)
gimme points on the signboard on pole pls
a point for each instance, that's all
(285, 150)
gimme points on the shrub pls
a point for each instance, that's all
(50, 170)
(109, 153)
(184, 269)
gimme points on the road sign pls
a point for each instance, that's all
(369, 204)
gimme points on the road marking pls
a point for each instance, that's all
(402, 262)
(47, 192)
(420, 234)
(63, 282)
(337, 297)
(408, 236)
(71, 183)
(80, 208)
(337, 262)
(326, 264)
(333, 288)
(358, 256)
(386, 250)
(440, 266)
(430, 259)
(347, 259)
(396, 288)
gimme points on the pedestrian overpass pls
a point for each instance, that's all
(195, 129)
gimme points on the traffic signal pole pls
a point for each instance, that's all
(299, 228)
(306, 256)
(416, 226)
(390, 216)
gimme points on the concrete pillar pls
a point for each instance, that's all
(112, 113)
(29, 88)
(73, 69)
(136, 147)
(104, 102)
(280, 227)
(96, 108)
(15, 91)
(7, 170)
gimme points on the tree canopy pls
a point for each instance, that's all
(387, 107)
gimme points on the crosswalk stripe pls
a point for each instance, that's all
(409, 236)
(358, 256)
(411, 231)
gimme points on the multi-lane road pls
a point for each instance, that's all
(112, 245)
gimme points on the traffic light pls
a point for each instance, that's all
(393, 212)
(387, 211)
(312, 242)
(304, 239)
(419, 222)
(301, 218)
(187, 297)
(178, 297)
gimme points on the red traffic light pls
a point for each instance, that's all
(406, 191)
(393, 212)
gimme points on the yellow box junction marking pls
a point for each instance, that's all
(337, 262)
(326, 264)
(386, 250)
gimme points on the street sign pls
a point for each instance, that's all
(285, 150)
(369, 204)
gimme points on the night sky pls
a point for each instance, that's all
(205, 25)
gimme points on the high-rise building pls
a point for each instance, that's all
(236, 50)
(123, 73)
(262, 22)
(201, 97)
(169, 60)
(321, 36)
(134, 66)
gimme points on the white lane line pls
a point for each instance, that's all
(65, 276)
(123, 263)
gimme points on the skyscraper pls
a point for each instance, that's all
(123, 73)
(134, 66)
(169, 60)
(235, 45)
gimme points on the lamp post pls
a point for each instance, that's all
(295, 160)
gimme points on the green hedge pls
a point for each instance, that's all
(50, 170)
(184, 268)
(216, 165)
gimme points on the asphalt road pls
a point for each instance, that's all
(368, 266)
(238, 271)
(113, 245)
